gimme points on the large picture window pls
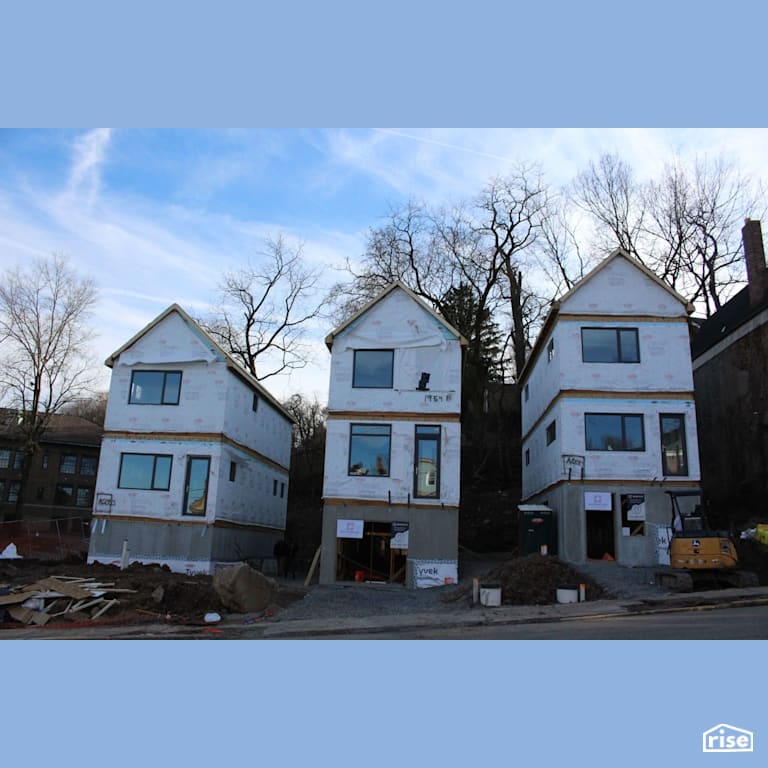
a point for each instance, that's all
(427, 462)
(674, 460)
(610, 345)
(369, 449)
(373, 368)
(145, 471)
(155, 387)
(614, 432)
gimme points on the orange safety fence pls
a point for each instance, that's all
(51, 539)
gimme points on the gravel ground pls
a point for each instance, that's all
(360, 600)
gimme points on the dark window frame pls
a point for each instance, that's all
(64, 457)
(7, 459)
(232, 471)
(152, 487)
(164, 374)
(355, 376)
(80, 490)
(551, 432)
(619, 353)
(352, 435)
(623, 417)
(664, 468)
(425, 436)
(89, 461)
(59, 490)
(551, 350)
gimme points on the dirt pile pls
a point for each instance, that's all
(142, 592)
(532, 580)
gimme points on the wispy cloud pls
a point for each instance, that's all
(89, 154)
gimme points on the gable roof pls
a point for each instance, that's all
(621, 253)
(236, 368)
(554, 310)
(389, 289)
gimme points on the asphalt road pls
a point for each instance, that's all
(749, 623)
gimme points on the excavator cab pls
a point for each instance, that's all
(694, 544)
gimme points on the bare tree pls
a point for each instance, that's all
(265, 309)
(607, 190)
(511, 212)
(683, 225)
(91, 408)
(44, 336)
(559, 254)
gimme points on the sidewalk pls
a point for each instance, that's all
(509, 614)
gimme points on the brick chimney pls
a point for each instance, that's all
(754, 253)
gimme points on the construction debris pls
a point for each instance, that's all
(39, 602)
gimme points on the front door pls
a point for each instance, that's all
(600, 534)
(196, 485)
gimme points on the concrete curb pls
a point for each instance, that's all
(509, 615)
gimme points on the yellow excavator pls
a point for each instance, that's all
(699, 556)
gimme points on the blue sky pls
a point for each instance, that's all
(156, 215)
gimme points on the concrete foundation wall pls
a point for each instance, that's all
(568, 502)
(184, 548)
(433, 533)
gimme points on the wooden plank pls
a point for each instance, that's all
(15, 598)
(87, 605)
(66, 588)
(311, 572)
(28, 616)
(104, 608)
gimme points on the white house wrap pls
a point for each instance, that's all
(393, 439)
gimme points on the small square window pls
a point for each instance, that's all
(67, 464)
(373, 368)
(551, 433)
(84, 497)
(63, 495)
(88, 465)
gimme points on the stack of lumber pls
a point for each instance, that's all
(66, 597)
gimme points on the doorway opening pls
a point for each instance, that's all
(371, 558)
(600, 534)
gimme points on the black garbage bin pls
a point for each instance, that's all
(536, 529)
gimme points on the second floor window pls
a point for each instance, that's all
(373, 368)
(155, 387)
(369, 449)
(614, 432)
(674, 460)
(145, 471)
(610, 345)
